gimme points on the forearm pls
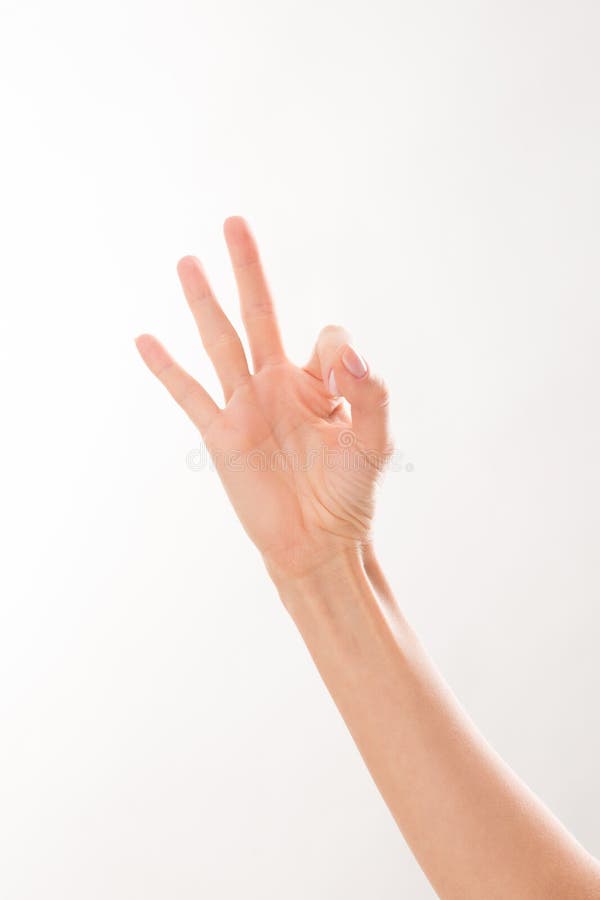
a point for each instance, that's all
(475, 828)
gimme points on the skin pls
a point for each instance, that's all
(301, 472)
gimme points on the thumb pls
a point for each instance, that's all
(346, 373)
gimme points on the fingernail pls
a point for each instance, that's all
(354, 362)
(332, 386)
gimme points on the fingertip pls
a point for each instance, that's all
(233, 224)
(335, 330)
(241, 242)
(145, 344)
(142, 340)
(152, 351)
(353, 362)
(186, 264)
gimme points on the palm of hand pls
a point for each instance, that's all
(291, 466)
(299, 476)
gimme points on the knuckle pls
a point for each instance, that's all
(259, 310)
(381, 392)
(250, 261)
(164, 372)
(220, 340)
(201, 298)
(183, 394)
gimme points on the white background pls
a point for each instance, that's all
(425, 174)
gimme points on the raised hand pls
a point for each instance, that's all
(299, 468)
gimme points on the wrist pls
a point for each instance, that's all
(347, 615)
(314, 564)
(342, 593)
(343, 570)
